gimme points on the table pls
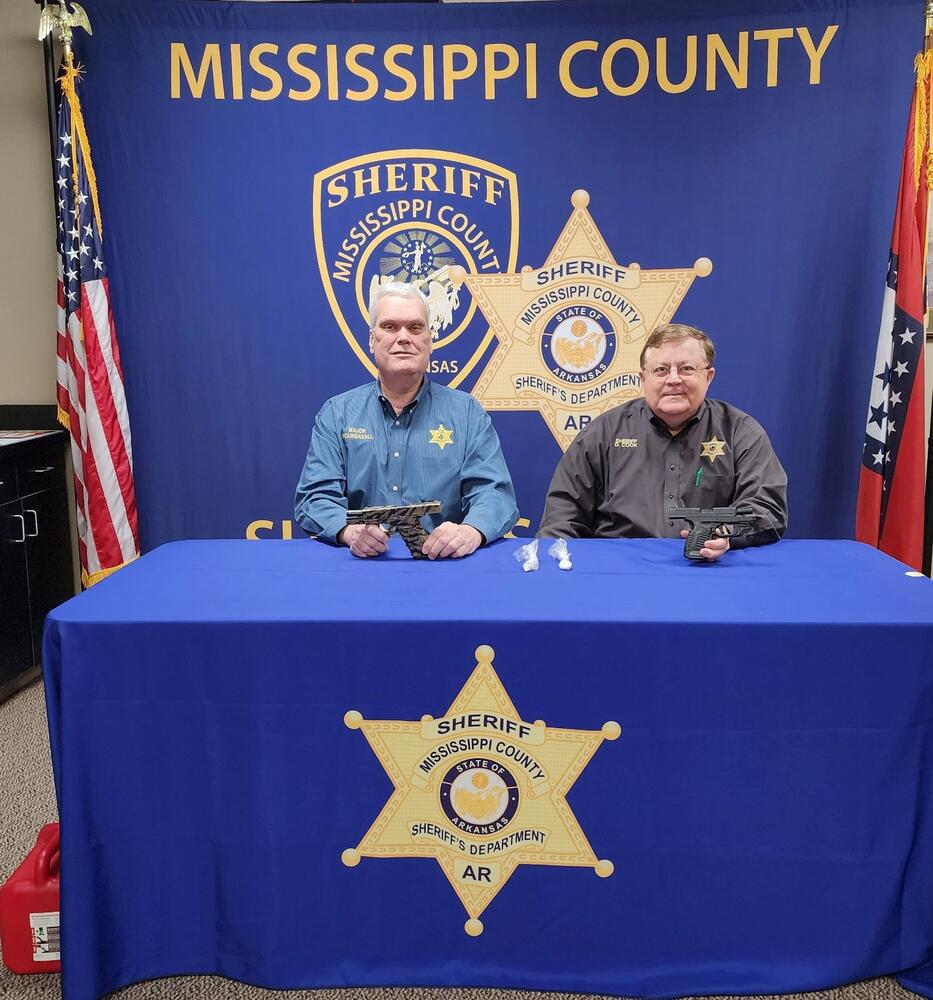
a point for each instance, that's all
(766, 813)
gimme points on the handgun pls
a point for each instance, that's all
(705, 523)
(405, 519)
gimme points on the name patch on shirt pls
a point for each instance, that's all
(356, 434)
(625, 443)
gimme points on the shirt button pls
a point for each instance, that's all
(673, 467)
(395, 490)
(396, 455)
(670, 496)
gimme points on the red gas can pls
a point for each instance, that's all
(29, 916)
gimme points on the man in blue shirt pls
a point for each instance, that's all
(404, 440)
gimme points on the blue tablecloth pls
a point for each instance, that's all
(767, 808)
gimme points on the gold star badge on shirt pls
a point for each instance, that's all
(441, 436)
(713, 448)
(481, 791)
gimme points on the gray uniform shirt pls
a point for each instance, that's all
(622, 473)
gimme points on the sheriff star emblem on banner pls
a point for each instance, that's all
(480, 790)
(571, 332)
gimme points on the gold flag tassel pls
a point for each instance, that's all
(56, 18)
(69, 78)
(922, 68)
(923, 139)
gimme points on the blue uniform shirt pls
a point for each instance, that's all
(442, 446)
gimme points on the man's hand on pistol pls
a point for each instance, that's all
(364, 540)
(713, 547)
(451, 541)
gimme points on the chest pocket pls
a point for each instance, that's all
(439, 472)
(361, 461)
(713, 491)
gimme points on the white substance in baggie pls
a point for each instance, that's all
(527, 555)
(561, 553)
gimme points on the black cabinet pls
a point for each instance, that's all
(15, 627)
(36, 569)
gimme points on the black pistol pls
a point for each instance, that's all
(705, 523)
(406, 520)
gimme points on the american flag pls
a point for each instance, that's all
(91, 400)
(890, 507)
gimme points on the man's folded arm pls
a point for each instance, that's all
(487, 496)
(761, 484)
(320, 500)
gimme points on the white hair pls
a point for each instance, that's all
(400, 290)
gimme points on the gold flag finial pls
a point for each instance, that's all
(57, 17)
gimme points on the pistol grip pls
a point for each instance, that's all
(414, 537)
(699, 535)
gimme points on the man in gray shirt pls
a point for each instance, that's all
(674, 448)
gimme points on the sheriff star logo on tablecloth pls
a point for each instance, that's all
(570, 332)
(712, 449)
(480, 791)
(441, 436)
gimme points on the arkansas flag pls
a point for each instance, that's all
(91, 401)
(889, 514)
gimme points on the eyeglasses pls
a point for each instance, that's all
(686, 372)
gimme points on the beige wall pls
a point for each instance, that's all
(27, 243)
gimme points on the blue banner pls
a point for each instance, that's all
(262, 166)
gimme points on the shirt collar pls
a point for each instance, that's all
(659, 423)
(423, 393)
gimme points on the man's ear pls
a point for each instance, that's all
(372, 347)
(710, 374)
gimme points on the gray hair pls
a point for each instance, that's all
(400, 290)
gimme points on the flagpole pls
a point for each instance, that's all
(49, 57)
(928, 506)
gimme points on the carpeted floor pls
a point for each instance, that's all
(27, 800)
